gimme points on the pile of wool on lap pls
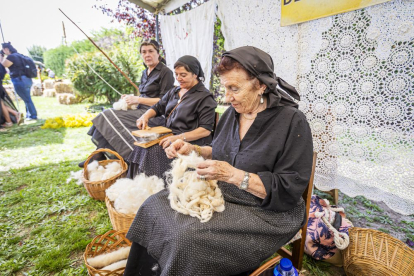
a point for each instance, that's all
(122, 105)
(190, 195)
(97, 172)
(129, 194)
(110, 261)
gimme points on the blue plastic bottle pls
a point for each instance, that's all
(285, 268)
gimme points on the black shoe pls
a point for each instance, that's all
(98, 157)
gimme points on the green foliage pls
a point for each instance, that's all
(87, 83)
(36, 52)
(55, 58)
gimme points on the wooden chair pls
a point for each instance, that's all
(298, 246)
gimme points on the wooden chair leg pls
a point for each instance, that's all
(298, 248)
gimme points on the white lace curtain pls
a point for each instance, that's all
(354, 72)
(190, 33)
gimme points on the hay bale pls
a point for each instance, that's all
(64, 87)
(48, 84)
(10, 91)
(67, 98)
(49, 93)
(37, 89)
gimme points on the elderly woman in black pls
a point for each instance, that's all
(189, 111)
(262, 157)
(112, 128)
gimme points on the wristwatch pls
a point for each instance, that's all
(245, 183)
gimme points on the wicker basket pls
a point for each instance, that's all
(108, 242)
(372, 252)
(96, 189)
(119, 221)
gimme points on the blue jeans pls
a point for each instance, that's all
(22, 87)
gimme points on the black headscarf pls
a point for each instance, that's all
(260, 64)
(194, 65)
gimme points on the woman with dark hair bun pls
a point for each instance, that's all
(112, 128)
(21, 83)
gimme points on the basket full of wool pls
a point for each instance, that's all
(106, 255)
(190, 195)
(124, 198)
(99, 176)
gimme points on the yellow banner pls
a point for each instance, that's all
(297, 11)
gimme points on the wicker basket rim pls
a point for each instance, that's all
(89, 247)
(120, 160)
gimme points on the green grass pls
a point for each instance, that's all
(46, 223)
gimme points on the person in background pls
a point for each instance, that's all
(50, 73)
(21, 83)
(8, 112)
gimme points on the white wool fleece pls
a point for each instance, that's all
(190, 195)
(114, 266)
(128, 195)
(109, 258)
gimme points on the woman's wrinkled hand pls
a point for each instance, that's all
(167, 141)
(179, 147)
(142, 122)
(216, 170)
(131, 100)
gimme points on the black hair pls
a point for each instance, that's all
(9, 46)
(182, 64)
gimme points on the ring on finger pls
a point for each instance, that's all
(202, 177)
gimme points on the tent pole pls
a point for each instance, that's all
(156, 29)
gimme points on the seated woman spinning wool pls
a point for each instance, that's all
(189, 111)
(261, 157)
(112, 128)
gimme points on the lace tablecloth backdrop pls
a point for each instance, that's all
(354, 72)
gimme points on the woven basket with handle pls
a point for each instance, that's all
(96, 189)
(371, 252)
(119, 221)
(108, 242)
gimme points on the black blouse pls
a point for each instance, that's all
(157, 83)
(278, 147)
(17, 68)
(197, 109)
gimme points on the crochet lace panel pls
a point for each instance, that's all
(354, 72)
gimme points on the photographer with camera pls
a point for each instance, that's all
(21, 82)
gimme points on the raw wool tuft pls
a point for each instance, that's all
(75, 176)
(97, 172)
(129, 194)
(114, 266)
(190, 195)
(107, 259)
(122, 105)
(49, 93)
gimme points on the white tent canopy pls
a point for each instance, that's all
(159, 6)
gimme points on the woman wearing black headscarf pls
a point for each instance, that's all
(262, 157)
(188, 110)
